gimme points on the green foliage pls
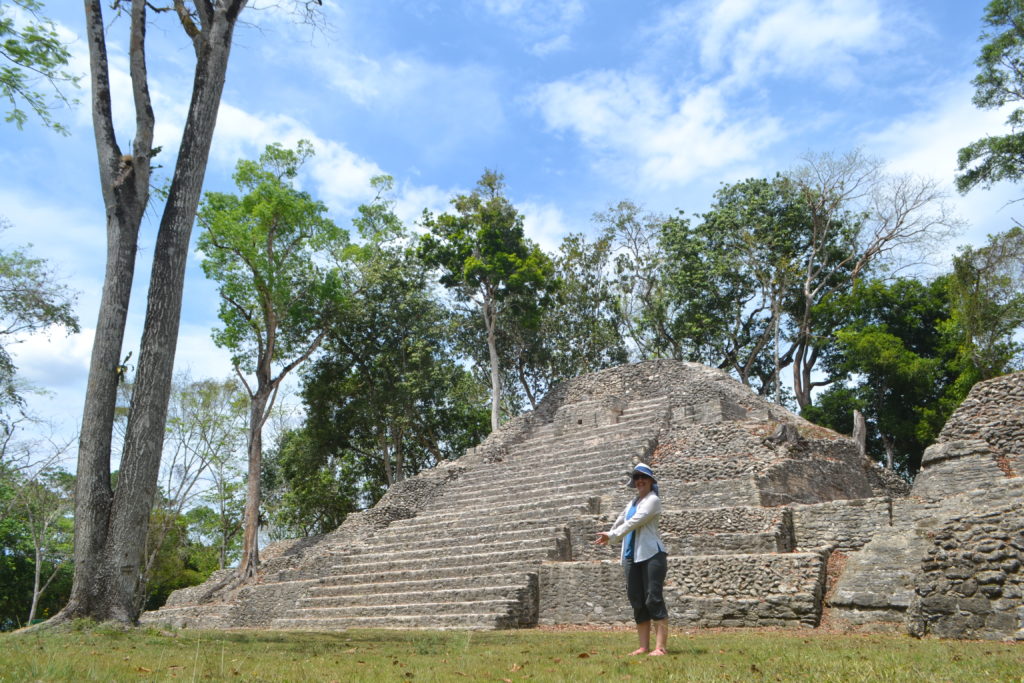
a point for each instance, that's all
(265, 249)
(386, 398)
(484, 259)
(32, 300)
(34, 513)
(734, 278)
(32, 56)
(987, 292)
(179, 562)
(1000, 81)
(893, 362)
(577, 331)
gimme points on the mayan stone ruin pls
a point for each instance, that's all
(769, 521)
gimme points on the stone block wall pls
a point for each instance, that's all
(701, 591)
(844, 525)
(972, 578)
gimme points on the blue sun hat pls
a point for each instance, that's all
(641, 468)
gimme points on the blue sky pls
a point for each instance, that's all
(580, 103)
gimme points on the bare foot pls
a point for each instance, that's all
(657, 652)
(639, 651)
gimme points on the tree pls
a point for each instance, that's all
(892, 360)
(46, 503)
(573, 330)
(859, 217)
(32, 300)
(387, 397)
(266, 249)
(582, 329)
(111, 525)
(485, 260)
(33, 57)
(987, 288)
(205, 433)
(730, 279)
(1000, 82)
(638, 283)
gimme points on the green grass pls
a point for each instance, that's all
(105, 654)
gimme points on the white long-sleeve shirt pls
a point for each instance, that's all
(645, 522)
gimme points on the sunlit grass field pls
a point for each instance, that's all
(108, 654)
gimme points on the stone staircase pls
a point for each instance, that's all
(470, 558)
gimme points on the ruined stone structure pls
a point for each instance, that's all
(758, 505)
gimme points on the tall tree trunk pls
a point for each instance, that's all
(109, 554)
(124, 181)
(251, 518)
(489, 313)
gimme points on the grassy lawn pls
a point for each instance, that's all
(105, 654)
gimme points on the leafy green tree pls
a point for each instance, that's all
(1000, 82)
(487, 262)
(35, 535)
(269, 251)
(32, 64)
(893, 362)
(987, 289)
(637, 278)
(578, 330)
(860, 218)
(46, 502)
(205, 439)
(32, 300)
(731, 279)
(387, 397)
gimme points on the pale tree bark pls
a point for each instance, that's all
(111, 526)
(487, 308)
(261, 402)
(871, 216)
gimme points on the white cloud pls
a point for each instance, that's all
(413, 199)
(648, 134)
(342, 176)
(544, 223)
(925, 143)
(54, 359)
(745, 40)
(545, 24)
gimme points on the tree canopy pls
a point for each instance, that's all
(1000, 82)
(33, 61)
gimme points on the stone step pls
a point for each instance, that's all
(736, 492)
(467, 621)
(488, 497)
(724, 544)
(390, 538)
(597, 478)
(424, 586)
(614, 464)
(439, 524)
(440, 574)
(593, 438)
(495, 605)
(385, 564)
(404, 528)
(553, 508)
(729, 519)
(429, 550)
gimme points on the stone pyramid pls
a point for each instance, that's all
(756, 502)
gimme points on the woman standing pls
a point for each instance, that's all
(644, 560)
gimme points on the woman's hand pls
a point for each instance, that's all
(602, 538)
